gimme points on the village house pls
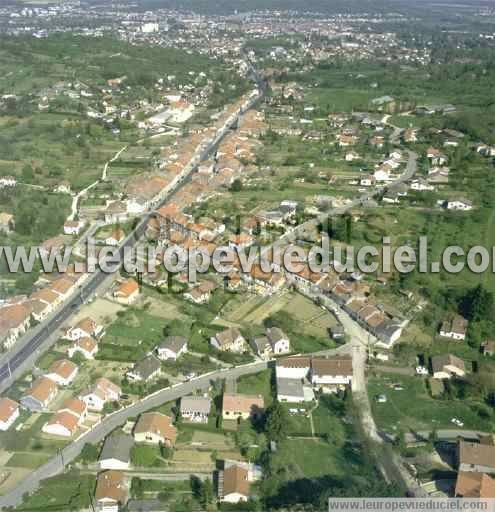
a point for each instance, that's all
(230, 340)
(351, 156)
(85, 346)
(172, 347)
(195, 408)
(290, 390)
(201, 294)
(279, 341)
(116, 212)
(63, 188)
(155, 428)
(296, 367)
(435, 156)
(473, 484)
(7, 224)
(61, 424)
(454, 328)
(8, 181)
(331, 374)
(85, 328)
(241, 241)
(367, 181)
(63, 286)
(42, 302)
(73, 227)
(421, 185)
(235, 480)
(9, 412)
(100, 393)
(261, 347)
(111, 491)
(460, 204)
(62, 372)
(445, 366)
(14, 322)
(40, 395)
(126, 292)
(76, 407)
(115, 237)
(235, 406)
(116, 452)
(147, 369)
(476, 457)
(488, 348)
(52, 246)
(264, 282)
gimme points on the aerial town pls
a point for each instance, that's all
(156, 127)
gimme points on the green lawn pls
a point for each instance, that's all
(71, 491)
(413, 408)
(29, 460)
(258, 384)
(311, 459)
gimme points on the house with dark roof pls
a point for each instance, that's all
(445, 366)
(290, 390)
(147, 369)
(278, 340)
(116, 452)
(230, 340)
(172, 347)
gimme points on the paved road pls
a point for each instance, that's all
(23, 355)
(56, 465)
(292, 235)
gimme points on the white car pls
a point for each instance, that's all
(457, 422)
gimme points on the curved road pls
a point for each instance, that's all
(56, 465)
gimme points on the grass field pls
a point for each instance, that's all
(258, 384)
(71, 491)
(30, 460)
(413, 408)
(311, 319)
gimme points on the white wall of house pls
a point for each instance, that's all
(5, 425)
(61, 381)
(234, 497)
(56, 430)
(113, 464)
(292, 373)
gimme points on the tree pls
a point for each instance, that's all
(89, 453)
(276, 422)
(477, 304)
(137, 487)
(206, 493)
(27, 174)
(236, 185)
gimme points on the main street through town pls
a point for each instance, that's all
(25, 353)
